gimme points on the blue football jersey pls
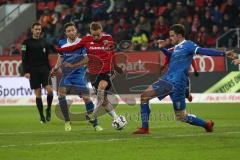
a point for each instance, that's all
(180, 62)
(73, 76)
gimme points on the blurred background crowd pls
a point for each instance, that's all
(140, 21)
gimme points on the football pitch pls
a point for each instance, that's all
(22, 137)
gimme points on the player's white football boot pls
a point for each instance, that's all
(68, 126)
(98, 128)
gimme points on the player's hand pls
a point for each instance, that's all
(231, 54)
(118, 69)
(161, 43)
(27, 75)
(54, 72)
(68, 65)
(236, 61)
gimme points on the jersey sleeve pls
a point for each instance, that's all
(210, 52)
(192, 47)
(73, 47)
(166, 52)
(25, 57)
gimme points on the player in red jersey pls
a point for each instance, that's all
(100, 66)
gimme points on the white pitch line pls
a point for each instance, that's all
(119, 139)
(89, 129)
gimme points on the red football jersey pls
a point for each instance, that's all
(99, 52)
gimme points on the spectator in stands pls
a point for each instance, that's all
(148, 11)
(195, 24)
(213, 35)
(144, 25)
(206, 20)
(122, 25)
(179, 12)
(160, 29)
(201, 36)
(231, 10)
(227, 21)
(139, 39)
(109, 26)
(120, 31)
(45, 18)
(216, 15)
(168, 11)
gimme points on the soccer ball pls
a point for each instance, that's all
(119, 123)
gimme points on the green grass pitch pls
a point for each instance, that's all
(22, 137)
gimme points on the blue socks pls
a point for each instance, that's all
(145, 112)
(64, 108)
(89, 107)
(193, 120)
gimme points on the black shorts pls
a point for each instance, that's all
(39, 77)
(96, 78)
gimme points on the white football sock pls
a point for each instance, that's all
(100, 99)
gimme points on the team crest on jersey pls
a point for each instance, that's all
(44, 50)
(105, 42)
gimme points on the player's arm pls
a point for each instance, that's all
(81, 63)
(161, 45)
(25, 61)
(56, 67)
(213, 52)
(73, 47)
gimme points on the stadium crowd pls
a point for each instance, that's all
(142, 21)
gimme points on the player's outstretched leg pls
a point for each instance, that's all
(192, 119)
(49, 102)
(148, 94)
(39, 104)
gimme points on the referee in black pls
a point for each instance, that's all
(36, 68)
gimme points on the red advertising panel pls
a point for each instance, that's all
(9, 65)
(131, 62)
(209, 64)
(139, 62)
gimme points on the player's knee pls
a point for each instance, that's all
(62, 92)
(180, 115)
(86, 99)
(102, 85)
(38, 93)
(50, 91)
(48, 88)
(105, 102)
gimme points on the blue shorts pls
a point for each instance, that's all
(175, 91)
(75, 85)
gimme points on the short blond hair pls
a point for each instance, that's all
(94, 26)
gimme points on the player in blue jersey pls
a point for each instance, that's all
(174, 81)
(73, 80)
